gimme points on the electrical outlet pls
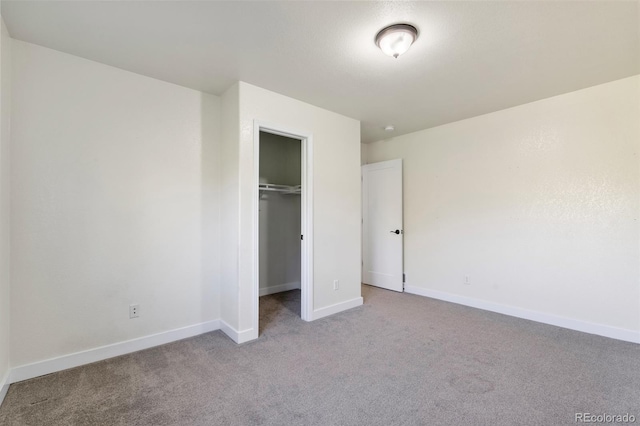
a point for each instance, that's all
(336, 284)
(134, 311)
(467, 280)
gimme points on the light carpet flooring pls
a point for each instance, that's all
(398, 360)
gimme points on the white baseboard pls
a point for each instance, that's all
(279, 288)
(334, 309)
(238, 336)
(76, 359)
(572, 324)
(4, 386)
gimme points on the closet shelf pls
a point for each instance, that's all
(285, 189)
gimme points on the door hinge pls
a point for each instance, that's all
(404, 278)
(302, 237)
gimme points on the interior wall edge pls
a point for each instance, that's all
(4, 387)
(527, 314)
(6, 58)
(336, 193)
(336, 308)
(238, 336)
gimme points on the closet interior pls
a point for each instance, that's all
(279, 213)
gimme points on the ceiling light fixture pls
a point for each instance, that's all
(396, 39)
(390, 128)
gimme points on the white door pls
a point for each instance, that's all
(382, 224)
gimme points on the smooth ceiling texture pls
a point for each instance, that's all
(470, 58)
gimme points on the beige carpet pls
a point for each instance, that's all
(397, 360)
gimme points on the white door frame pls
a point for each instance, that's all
(306, 211)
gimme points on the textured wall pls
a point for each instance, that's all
(230, 123)
(538, 204)
(336, 191)
(115, 200)
(5, 111)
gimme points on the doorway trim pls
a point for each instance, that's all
(306, 213)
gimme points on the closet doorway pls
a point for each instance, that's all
(282, 220)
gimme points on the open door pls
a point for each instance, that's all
(382, 235)
(305, 191)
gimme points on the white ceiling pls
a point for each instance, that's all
(471, 58)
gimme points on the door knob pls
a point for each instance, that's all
(397, 231)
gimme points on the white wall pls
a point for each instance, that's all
(115, 199)
(5, 109)
(230, 152)
(336, 180)
(279, 219)
(364, 153)
(538, 204)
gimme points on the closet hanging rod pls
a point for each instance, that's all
(286, 189)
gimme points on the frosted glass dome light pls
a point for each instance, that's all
(396, 39)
